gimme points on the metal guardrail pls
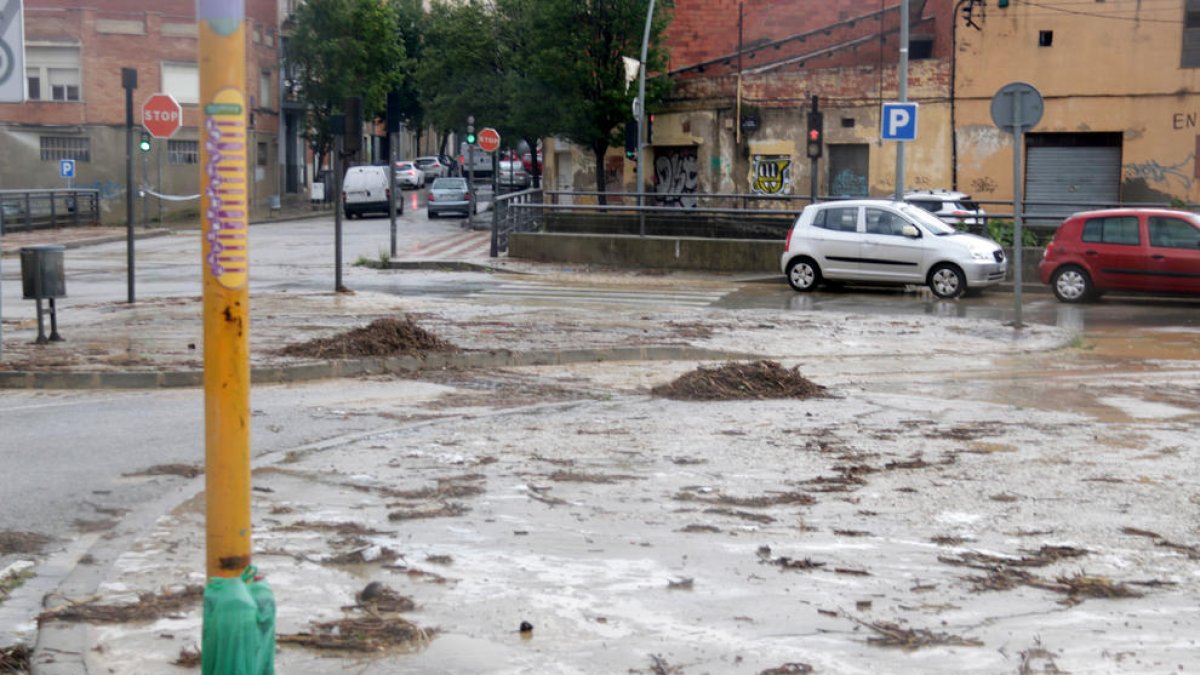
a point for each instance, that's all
(531, 210)
(25, 210)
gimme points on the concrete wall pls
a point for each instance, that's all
(690, 253)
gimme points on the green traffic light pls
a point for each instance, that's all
(471, 138)
(144, 144)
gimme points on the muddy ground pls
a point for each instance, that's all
(1008, 510)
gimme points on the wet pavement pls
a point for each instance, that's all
(968, 498)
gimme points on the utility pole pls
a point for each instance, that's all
(903, 91)
(641, 122)
(129, 83)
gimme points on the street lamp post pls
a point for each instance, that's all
(641, 143)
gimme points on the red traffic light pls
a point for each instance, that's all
(814, 135)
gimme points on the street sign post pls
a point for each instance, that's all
(899, 121)
(489, 139)
(161, 115)
(1017, 108)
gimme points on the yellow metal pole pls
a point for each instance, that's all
(225, 264)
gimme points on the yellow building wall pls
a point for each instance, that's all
(1110, 67)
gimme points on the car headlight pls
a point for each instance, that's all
(981, 255)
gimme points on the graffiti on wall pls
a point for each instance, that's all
(772, 174)
(848, 183)
(677, 176)
(1153, 172)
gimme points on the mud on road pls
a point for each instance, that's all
(955, 501)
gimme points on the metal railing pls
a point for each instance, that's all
(725, 215)
(25, 210)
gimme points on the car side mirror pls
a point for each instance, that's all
(910, 231)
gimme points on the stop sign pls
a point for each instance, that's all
(161, 115)
(489, 140)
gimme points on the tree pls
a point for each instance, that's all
(572, 58)
(345, 48)
(413, 25)
(460, 73)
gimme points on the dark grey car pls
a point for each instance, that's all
(449, 195)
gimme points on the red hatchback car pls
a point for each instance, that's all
(1143, 250)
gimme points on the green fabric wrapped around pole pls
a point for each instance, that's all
(238, 637)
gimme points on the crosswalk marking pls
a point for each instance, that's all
(575, 294)
(458, 246)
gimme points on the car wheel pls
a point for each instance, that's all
(1072, 284)
(947, 281)
(431, 215)
(803, 275)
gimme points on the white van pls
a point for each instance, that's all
(365, 190)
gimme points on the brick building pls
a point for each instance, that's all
(75, 104)
(1119, 81)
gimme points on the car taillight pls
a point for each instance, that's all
(1049, 252)
(432, 197)
(787, 244)
(467, 196)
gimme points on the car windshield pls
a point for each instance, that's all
(927, 220)
(403, 165)
(449, 184)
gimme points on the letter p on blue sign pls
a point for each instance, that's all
(899, 122)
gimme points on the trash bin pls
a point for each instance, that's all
(42, 272)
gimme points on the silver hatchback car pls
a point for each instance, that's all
(887, 242)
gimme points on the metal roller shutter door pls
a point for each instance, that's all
(1086, 177)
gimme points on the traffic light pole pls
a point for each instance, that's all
(129, 82)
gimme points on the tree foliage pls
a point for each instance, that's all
(344, 48)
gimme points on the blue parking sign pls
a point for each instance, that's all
(66, 168)
(899, 122)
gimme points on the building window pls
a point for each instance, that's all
(54, 148)
(1191, 35)
(181, 80)
(52, 73)
(264, 89)
(262, 154)
(183, 152)
(1045, 38)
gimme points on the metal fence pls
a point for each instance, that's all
(718, 215)
(25, 210)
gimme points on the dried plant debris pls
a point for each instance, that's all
(659, 666)
(1076, 588)
(445, 510)
(1040, 558)
(182, 470)
(789, 669)
(363, 554)
(149, 607)
(22, 542)
(1192, 552)
(15, 659)
(345, 529)
(378, 598)
(382, 337)
(189, 657)
(1037, 659)
(889, 634)
(744, 515)
(578, 477)
(948, 540)
(701, 528)
(753, 502)
(362, 634)
(446, 488)
(740, 381)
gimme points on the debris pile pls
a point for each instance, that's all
(15, 659)
(737, 381)
(149, 607)
(382, 337)
(380, 630)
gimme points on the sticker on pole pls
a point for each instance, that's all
(226, 212)
(899, 122)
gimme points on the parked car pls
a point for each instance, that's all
(512, 174)
(955, 208)
(887, 242)
(365, 190)
(1141, 250)
(432, 167)
(452, 164)
(527, 162)
(408, 175)
(448, 195)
